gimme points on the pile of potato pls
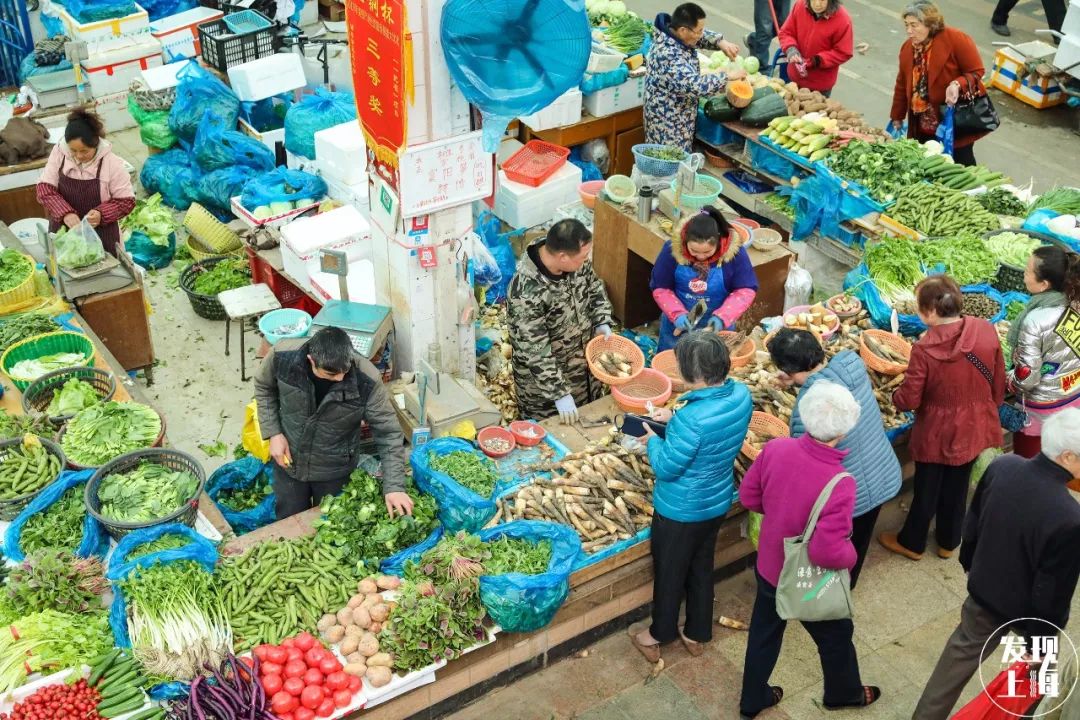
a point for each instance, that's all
(801, 101)
(355, 629)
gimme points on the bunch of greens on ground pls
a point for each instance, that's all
(58, 526)
(102, 432)
(895, 267)
(224, 275)
(247, 498)
(33, 368)
(149, 492)
(882, 168)
(49, 641)
(16, 426)
(153, 219)
(73, 396)
(356, 521)
(14, 269)
(1002, 202)
(471, 470)
(967, 259)
(25, 326)
(53, 579)
(1012, 248)
(512, 555)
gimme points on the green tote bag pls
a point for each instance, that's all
(805, 591)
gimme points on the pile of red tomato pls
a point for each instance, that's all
(58, 702)
(303, 679)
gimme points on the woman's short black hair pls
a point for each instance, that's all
(795, 351)
(84, 126)
(1051, 265)
(687, 15)
(703, 357)
(331, 350)
(567, 236)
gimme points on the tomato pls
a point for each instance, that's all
(260, 651)
(287, 643)
(272, 684)
(313, 677)
(287, 716)
(329, 664)
(295, 668)
(342, 698)
(293, 686)
(312, 696)
(305, 641)
(283, 702)
(277, 655)
(326, 708)
(295, 653)
(302, 713)
(337, 681)
(355, 683)
(271, 668)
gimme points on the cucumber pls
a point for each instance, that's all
(122, 693)
(118, 710)
(127, 678)
(148, 713)
(97, 669)
(120, 667)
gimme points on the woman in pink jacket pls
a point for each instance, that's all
(783, 484)
(85, 180)
(817, 39)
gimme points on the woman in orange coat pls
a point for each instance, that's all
(937, 64)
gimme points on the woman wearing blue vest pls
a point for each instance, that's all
(694, 490)
(705, 262)
(870, 458)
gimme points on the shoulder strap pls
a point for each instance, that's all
(980, 366)
(819, 505)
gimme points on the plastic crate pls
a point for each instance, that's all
(222, 48)
(535, 163)
(246, 21)
(288, 294)
(714, 133)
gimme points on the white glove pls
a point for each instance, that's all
(568, 412)
(604, 330)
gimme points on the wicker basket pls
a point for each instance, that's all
(666, 363)
(717, 160)
(23, 291)
(844, 315)
(11, 507)
(648, 386)
(210, 231)
(200, 252)
(172, 459)
(40, 392)
(205, 306)
(1011, 277)
(45, 344)
(621, 345)
(742, 356)
(764, 424)
(76, 466)
(880, 364)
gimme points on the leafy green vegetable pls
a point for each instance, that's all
(15, 426)
(895, 267)
(59, 526)
(249, 497)
(627, 33)
(149, 492)
(75, 395)
(1002, 202)
(665, 152)
(1012, 248)
(25, 326)
(53, 579)
(152, 218)
(50, 641)
(882, 168)
(33, 368)
(225, 275)
(967, 259)
(171, 541)
(1062, 200)
(1013, 309)
(14, 269)
(73, 251)
(101, 432)
(512, 555)
(357, 521)
(471, 470)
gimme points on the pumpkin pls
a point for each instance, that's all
(739, 93)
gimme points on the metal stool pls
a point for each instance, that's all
(243, 303)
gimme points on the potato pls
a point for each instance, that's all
(356, 600)
(380, 659)
(326, 622)
(375, 628)
(357, 669)
(349, 645)
(334, 634)
(344, 616)
(388, 582)
(372, 599)
(361, 617)
(355, 631)
(378, 676)
(367, 586)
(356, 658)
(379, 612)
(368, 646)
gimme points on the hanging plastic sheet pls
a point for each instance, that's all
(95, 541)
(313, 113)
(239, 475)
(217, 147)
(197, 93)
(515, 57)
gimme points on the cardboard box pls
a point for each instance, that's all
(112, 65)
(179, 33)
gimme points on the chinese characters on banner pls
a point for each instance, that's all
(381, 49)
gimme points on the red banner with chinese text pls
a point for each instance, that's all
(381, 49)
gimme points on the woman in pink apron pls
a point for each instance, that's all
(84, 179)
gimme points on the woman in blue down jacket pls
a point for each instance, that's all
(694, 490)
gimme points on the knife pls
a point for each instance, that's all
(694, 316)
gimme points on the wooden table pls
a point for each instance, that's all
(624, 251)
(18, 197)
(621, 131)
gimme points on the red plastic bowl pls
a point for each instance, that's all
(527, 433)
(495, 433)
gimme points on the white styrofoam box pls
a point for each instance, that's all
(269, 138)
(113, 111)
(565, 110)
(356, 195)
(299, 162)
(268, 76)
(341, 153)
(507, 148)
(523, 206)
(1071, 26)
(179, 33)
(161, 77)
(134, 24)
(344, 228)
(244, 215)
(1068, 56)
(361, 283)
(111, 65)
(609, 101)
(309, 14)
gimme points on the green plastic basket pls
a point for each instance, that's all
(699, 201)
(46, 344)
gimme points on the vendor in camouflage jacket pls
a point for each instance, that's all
(555, 305)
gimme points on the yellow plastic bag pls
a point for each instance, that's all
(252, 436)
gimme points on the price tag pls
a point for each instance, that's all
(427, 257)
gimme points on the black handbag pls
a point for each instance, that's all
(974, 112)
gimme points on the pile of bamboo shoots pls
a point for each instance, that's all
(496, 373)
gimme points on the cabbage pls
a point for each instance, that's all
(751, 65)
(262, 213)
(719, 59)
(600, 7)
(304, 202)
(152, 218)
(281, 207)
(616, 8)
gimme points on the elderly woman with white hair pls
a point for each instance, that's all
(785, 496)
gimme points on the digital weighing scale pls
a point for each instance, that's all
(366, 325)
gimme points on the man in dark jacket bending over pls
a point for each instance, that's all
(311, 398)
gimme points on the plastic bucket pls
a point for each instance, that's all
(286, 317)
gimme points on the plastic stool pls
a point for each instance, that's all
(241, 304)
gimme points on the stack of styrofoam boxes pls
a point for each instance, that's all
(136, 23)
(524, 206)
(179, 33)
(1009, 74)
(264, 78)
(630, 94)
(343, 228)
(439, 110)
(341, 158)
(565, 110)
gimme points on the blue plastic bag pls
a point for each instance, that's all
(217, 147)
(860, 285)
(217, 188)
(768, 161)
(592, 83)
(459, 507)
(524, 603)
(266, 114)
(896, 133)
(234, 476)
(199, 549)
(170, 173)
(395, 564)
(28, 67)
(148, 254)
(817, 201)
(944, 133)
(53, 24)
(1037, 222)
(158, 9)
(282, 185)
(197, 93)
(589, 170)
(487, 226)
(88, 11)
(95, 541)
(313, 113)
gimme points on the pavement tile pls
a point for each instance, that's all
(714, 684)
(660, 698)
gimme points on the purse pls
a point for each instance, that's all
(974, 112)
(805, 591)
(1012, 418)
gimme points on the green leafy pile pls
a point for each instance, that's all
(1012, 248)
(356, 521)
(895, 267)
(49, 641)
(15, 426)
(33, 368)
(225, 275)
(1062, 200)
(1002, 202)
(665, 152)
(14, 269)
(149, 492)
(171, 541)
(73, 251)
(153, 219)
(102, 432)
(75, 395)
(471, 470)
(626, 33)
(53, 579)
(58, 526)
(25, 326)
(882, 168)
(250, 497)
(1013, 309)
(513, 555)
(967, 259)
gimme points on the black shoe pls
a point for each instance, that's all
(1002, 30)
(746, 42)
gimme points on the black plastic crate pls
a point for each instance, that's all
(222, 49)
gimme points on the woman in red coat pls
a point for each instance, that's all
(817, 39)
(955, 382)
(937, 63)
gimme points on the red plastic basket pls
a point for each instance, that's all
(535, 163)
(263, 272)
